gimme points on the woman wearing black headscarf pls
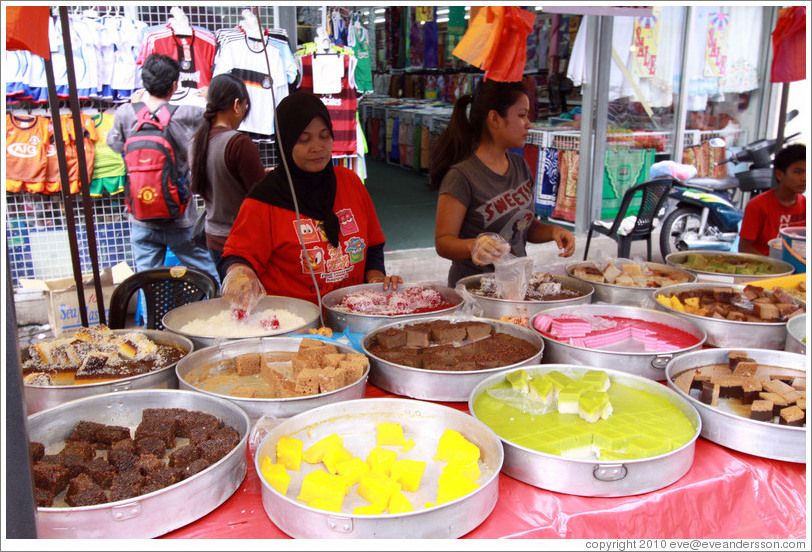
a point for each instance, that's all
(339, 226)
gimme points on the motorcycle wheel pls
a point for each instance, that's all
(680, 222)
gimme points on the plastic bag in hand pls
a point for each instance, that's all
(243, 290)
(488, 248)
(512, 276)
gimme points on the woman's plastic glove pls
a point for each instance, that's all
(242, 289)
(489, 247)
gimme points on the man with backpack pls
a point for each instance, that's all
(153, 135)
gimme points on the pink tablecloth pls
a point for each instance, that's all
(725, 494)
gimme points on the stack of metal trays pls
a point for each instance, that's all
(436, 385)
(728, 333)
(356, 422)
(796, 334)
(40, 397)
(363, 323)
(777, 268)
(595, 477)
(724, 426)
(647, 364)
(156, 513)
(616, 294)
(220, 357)
(177, 318)
(493, 307)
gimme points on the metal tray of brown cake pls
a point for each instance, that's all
(355, 422)
(733, 428)
(156, 513)
(219, 355)
(40, 397)
(435, 385)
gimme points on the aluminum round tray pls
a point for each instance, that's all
(587, 477)
(40, 397)
(355, 422)
(180, 316)
(728, 333)
(363, 323)
(496, 308)
(436, 385)
(736, 432)
(256, 408)
(624, 295)
(646, 364)
(155, 513)
(796, 333)
(777, 267)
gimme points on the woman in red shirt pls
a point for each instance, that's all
(336, 224)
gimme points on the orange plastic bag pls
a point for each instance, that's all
(479, 40)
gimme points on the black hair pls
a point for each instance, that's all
(464, 132)
(789, 155)
(159, 72)
(223, 90)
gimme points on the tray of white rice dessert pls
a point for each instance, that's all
(214, 320)
(585, 431)
(99, 360)
(379, 468)
(276, 376)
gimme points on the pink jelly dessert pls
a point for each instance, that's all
(595, 332)
(411, 300)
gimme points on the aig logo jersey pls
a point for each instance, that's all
(26, 140)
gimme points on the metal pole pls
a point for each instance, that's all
(84, 175)
(583, 203)
(682, 98)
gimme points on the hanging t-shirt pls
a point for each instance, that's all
(194, 53)
(267, 237)
(359, 42)
(245, 59)
(108, 166)
(26, 140)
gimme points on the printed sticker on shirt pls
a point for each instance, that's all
(347, 221)
(355, 248)
(337, 261)
(309, 231)
(506, 202)
(315, 256)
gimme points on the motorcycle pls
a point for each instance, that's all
(704, 215)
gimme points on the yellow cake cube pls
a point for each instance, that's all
(333, 456)
(370, 509)
(320, 484)
(428, 505)
(409, 445)
(377, 488)
(275, 474)
(676, 304)
(390, 434)
(409, 473)
(692, 303)
(398, 503)
(453, 485)
(289, 452)
(470, 470)
(453, 447)
(315, 453)
(352, 469)
(380, 460)
(331, 505)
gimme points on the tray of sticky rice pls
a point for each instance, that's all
(276, 376)
(443, 358)
(733, 268)
(750, 400)
(626, 282)
(134, 464)
(379, 468)
(544, 290)
(99, 360)
(214, 321)
(796, 335)
(365, 307)
(630, 339)
(733, 315)
(585, 431)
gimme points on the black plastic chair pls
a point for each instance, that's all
(654, 194)
(164, 289)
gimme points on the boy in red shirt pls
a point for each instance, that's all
(784, 205)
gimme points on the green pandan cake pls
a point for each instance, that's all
(582, 415)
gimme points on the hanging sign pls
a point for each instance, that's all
(646, 42)
(716, 45)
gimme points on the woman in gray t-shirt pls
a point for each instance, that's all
(484, 187)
